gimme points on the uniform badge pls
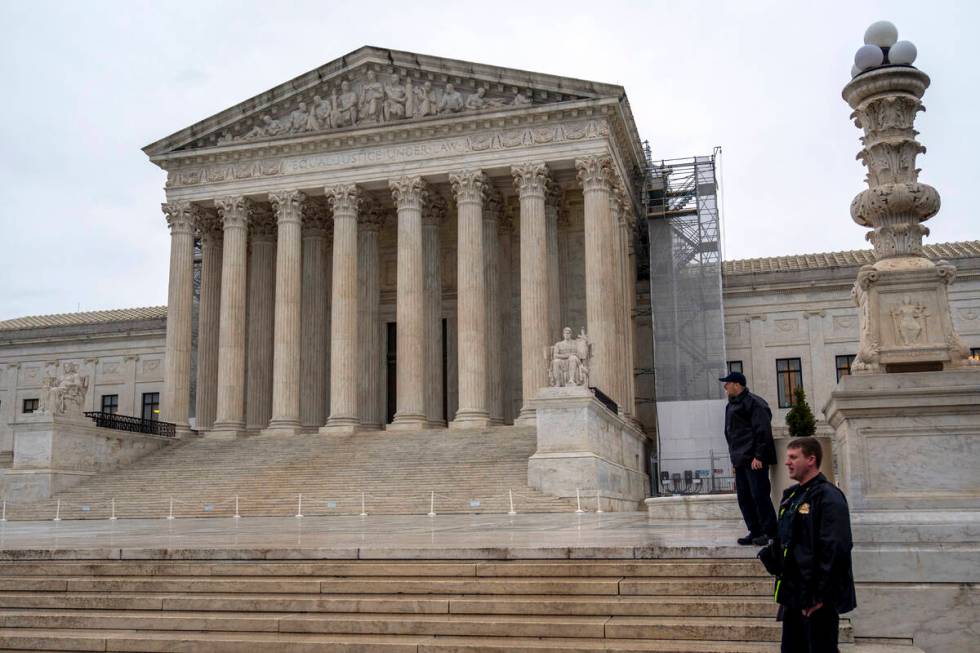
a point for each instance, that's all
(804, 509)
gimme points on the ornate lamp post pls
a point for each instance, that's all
(905, 319)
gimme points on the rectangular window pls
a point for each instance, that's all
(789, 377)
(843, 365)
(110, 404)
(735, 366)
(30, 405)
(975, 353)
(151, 405)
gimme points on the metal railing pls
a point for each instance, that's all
(133, 424)
(710, 474)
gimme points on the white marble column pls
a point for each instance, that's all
(208, 320)
(261, 317)
(433, 217)
(345, 201)
(564, 222)
(230, 412)
(410, 194)
(531, 180)
(371, 409)
(315, 329)
(509, 342)
(288, 207)
(629, 309)
(552, 202)
(818, 361)
(495, 363)
(469, 187)
(181, 217)
(616, 265)
(595, 174)
(127, 397)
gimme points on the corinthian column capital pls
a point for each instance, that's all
(595, 172)
(409, 192)
(371, 216)
(261, 222)
(531, 178)
(344, 199)
(234, 211)
(469, 186)
(181, 216)
(316, 218)
(288, 205)
(494, 206)
(434, 211)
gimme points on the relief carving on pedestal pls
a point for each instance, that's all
(910, 321)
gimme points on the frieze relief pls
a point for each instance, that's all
(372, 96)
(503, 139)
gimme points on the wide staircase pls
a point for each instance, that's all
(417, 606)
(438, 471)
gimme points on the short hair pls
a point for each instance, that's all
(809, 446)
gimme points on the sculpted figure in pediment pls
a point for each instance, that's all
(319, 117)
(521, 100)
(477, 100)
(345, 106)
(269, 127)
(372, 97)
(298, 118)
(396, 97)
(425, 101)
(452, 100)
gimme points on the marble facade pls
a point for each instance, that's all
(434, 187)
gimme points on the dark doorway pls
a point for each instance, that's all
(391, 335)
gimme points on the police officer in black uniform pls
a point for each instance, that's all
(748, 430)
(811, 557)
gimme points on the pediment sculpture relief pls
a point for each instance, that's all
(370, 98)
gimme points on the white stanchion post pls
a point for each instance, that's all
(432, 505)
(598, 501)
(57, 512)
(237, 514)
(4, 517)
(171, 515)
(578, 501)
(363, 511)
(510, 493)
(299, 507)
(112, 517)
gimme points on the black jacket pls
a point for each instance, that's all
(748, 430)
(816, 567)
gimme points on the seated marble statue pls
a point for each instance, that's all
(65, 395)
(570, 360)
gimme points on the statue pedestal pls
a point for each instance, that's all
(907, 448)
(584, 446)
(54, 453)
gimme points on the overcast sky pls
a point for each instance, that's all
(87, 84)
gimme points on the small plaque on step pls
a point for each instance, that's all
(331, 504)
(86, 508)
(208, 507)
(474, 503)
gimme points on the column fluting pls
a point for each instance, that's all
(344, 200)
(288, 207)
(531, 180)
(508, 339)
(230, 413)
(315, 303)
(491, 247)
(181, 217)
(552, 202)
(595, 175)
(370, 409)
(410, 194)
(433, 217)
(615, 272)
(469, 188)
(261, 317)
(208, 319)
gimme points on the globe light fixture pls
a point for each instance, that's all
(903, 52)
(882, 33)
(868, 56)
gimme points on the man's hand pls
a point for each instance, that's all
(756, 463)
(808, 611)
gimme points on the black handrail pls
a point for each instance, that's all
(133, 424)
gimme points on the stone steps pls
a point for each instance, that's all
(397, 472)
(214, 606)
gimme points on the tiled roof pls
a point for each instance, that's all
(853, 258)
(88, 317)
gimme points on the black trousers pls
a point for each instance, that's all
(752, 489)
(814, 634)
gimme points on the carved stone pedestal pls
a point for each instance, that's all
(907, 448)
(52, 454)
(583, 445)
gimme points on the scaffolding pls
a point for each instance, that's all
(684, 228)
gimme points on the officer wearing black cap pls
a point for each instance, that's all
(748, 431)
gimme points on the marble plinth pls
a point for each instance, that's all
(52, 454)
(696, 507)
(584, 447)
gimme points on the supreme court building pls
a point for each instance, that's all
(394, 241)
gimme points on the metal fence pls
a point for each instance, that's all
(708, 474)
(133, 424)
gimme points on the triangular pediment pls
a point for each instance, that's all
(374, 87)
